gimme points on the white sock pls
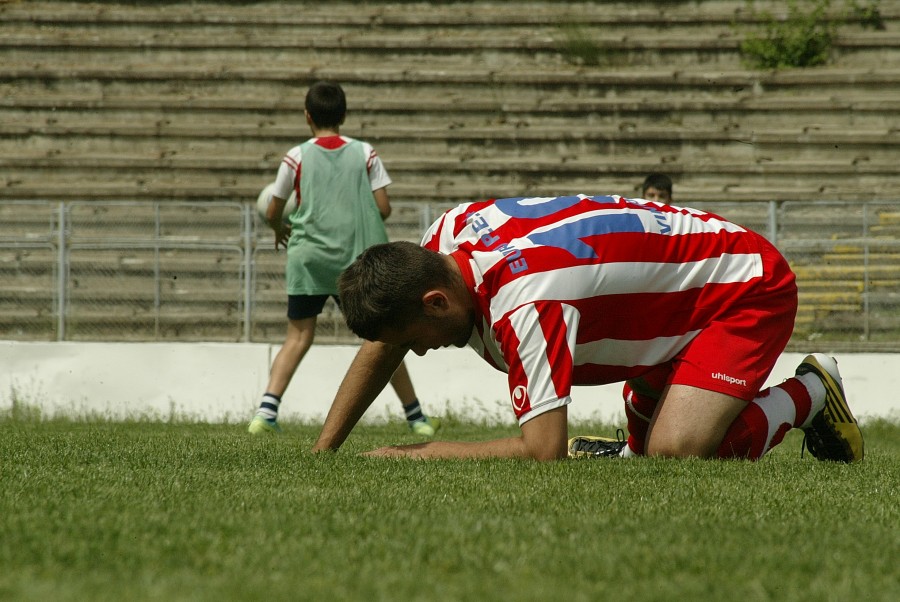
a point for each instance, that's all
(268, 407)
(816, 390)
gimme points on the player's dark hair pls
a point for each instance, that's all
(383, 288)
(326, 104)
(659, 181)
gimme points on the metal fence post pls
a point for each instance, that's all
(425, 217)
(248, 268)
(157, 272)
(866, 309)
(62, 272)
(773, 222)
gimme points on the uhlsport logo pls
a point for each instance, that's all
(519, 398)
(729, 379)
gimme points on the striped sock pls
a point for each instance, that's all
(638, 410)
(765, 421)
(268, 407)
(627, 452)
(641, 397)
(413, 412)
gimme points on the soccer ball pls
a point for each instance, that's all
(265, 197)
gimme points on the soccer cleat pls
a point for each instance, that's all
(833, 433)
(597, 447)
(263, 426)
(426, 427)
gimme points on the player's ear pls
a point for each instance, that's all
(435, 302)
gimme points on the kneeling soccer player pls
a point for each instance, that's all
(687, 308)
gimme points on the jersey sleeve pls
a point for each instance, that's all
(378, 175)
(441, 236)
(538, 342)
(288, 178)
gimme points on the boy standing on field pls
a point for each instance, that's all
(342, 202)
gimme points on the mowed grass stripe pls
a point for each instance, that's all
(149, 511)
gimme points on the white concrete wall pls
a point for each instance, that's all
(222, 382)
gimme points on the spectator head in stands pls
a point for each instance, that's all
(657, 187)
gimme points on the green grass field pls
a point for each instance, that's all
(91, 510)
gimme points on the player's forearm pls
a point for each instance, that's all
(367, 376)
(349, 405)
(345, 412)
(543, 438)
(513, 447)
(274, 213)
(383, 202)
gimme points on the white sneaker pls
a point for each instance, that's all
(263, 426)
(427, 427)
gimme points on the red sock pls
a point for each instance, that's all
(638, 410)
(639, 406)
(764, 422)
(748, 435)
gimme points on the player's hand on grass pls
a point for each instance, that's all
(395, 451)
(385, 452)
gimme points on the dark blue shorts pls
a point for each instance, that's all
(307, 306)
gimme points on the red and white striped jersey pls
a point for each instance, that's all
(590, 290)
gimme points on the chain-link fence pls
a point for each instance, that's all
(152, 271)
(167, 271)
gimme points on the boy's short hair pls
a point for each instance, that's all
(326, 104)
(659, 181)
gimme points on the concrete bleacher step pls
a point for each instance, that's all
(830, 298)
(398, 13)
(582, 157)
(859, 258)
(813, 81)
(131, 301)
(619, 28)
(187, 101)
(173, 128)
(180, 325)
(225, 97)
(885, 273)
(442, 190)
(700, 30)
(839, 321)
(826, 286)
(717, 48)
(582, 166)
(182, 84)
